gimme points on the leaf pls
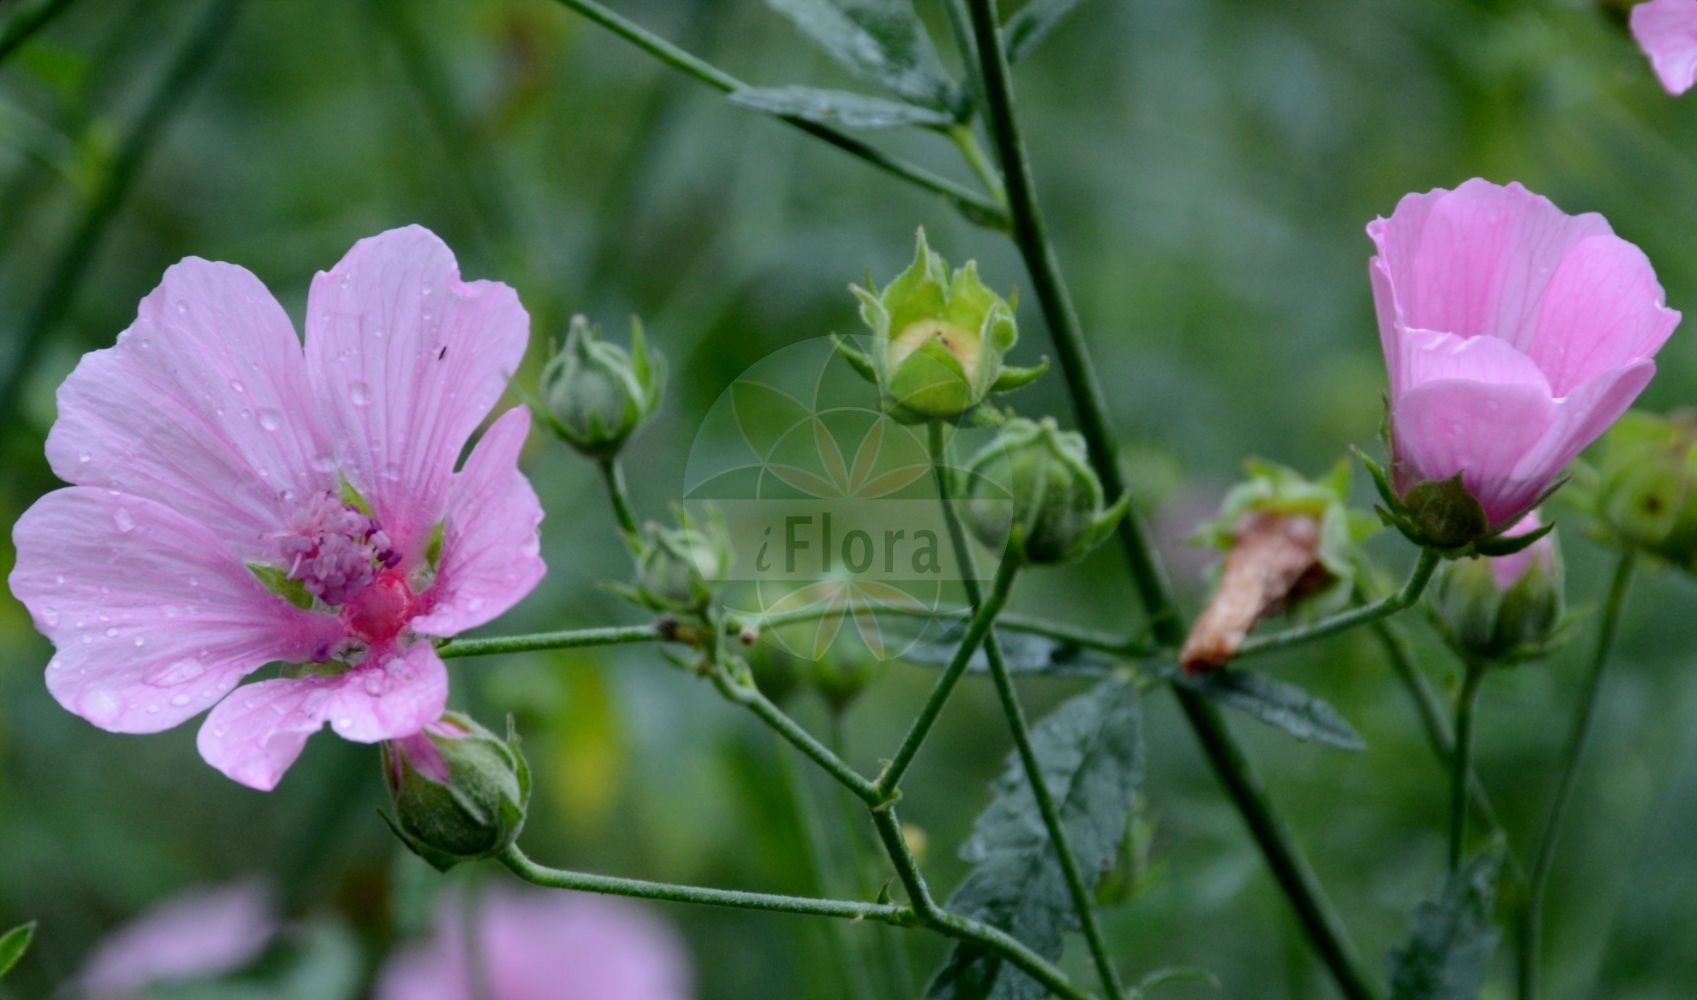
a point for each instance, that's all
(836, 107)
(1023, 653)
(13, 944)
(1091, 753)
(1450, 947)
(1175, 974)
(880, 41)
(1296, 711)
(1033, 22)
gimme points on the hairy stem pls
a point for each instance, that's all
(612, 635)
(1584, 715)
(974, 206)
(1231, 764)
(1461, 761)
(1343, 621)
(613, 474)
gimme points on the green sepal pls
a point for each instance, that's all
(857, 359)
(1445, 513)
(13, 944)
(1508, 545)
(1014, 377)
(276, 579)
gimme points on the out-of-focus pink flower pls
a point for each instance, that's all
(212, 460)
(199, 934)
(1506, 570)
(1667, 32)
(542, 945)
(1515, 334)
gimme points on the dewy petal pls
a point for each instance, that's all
(154, 620)
(1667, 32)
(1427, 356)
(1475, 261)
(490, 548)
(201, 405)
(1603, 310)
(1478, 429)
(254, 735)
(1582, 416)
(406, 359)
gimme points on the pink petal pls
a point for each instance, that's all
(254, 735)
(1427, 356)
(490, 543)
(153, 619)
(1475, 261)
(1478, 429)
(1507, 570)
(406, 359)
(1667, 32)
(202, 933)
(1582, 416)
(202, 405)
(1603, 309)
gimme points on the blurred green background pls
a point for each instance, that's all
(1207, 165)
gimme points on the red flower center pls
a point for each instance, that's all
(378, 611)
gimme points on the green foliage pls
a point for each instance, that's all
(837, 107)
(880, 41)
(1091, 752)
(13, 944)
(1447, 954)
(1286, 706)
(1031, 24)
(1022, 652)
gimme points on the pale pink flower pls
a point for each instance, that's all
(207, 447)
(1514, 333)
(542, 945)
(203, 933)
(1667, 32)
(1507, 570)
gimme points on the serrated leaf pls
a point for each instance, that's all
(1023, 653)
(1298, 712)
(13, 944)
(1034, 21)
(837, 107)
(880, 41)
(1091, 753)
(1449, 950)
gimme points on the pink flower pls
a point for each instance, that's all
(208, 452)
(1667, 32)
(1507, 570)
(203, 933)
(1514, 334)
(542, 945)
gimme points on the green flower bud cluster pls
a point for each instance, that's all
(595, 394)
(1032, 493)
(460, 792)
(678, 569)
(1502, 610)
(1646, 485)
(938, 340)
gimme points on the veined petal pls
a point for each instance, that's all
(490, 548)
(201, 405)
(1427, 356)
(154, 620)
(1667, 32)
(1603, 310)
(1582, 416)
(254, 735)
(1481, 430)
(406, 359)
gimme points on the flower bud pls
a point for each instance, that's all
(678, 568)
(1502, 609)
(937, 340)
(460, 792)
(1646, 488)
(595, 394)
(841, 675)
(1032, 492)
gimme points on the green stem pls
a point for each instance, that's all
(982, 168)
(1083, 638)
(743, 692)
(25, 23)
(974, 206)
(613, 635)
(58, 291)
(1324, 929)
(1343, 621)
(1584, 716)
(613, 474)
(976, 633)
(1461, 761)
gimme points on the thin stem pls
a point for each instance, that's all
(1584, 716)
(1082, 901)
(1461, 761)
(976, 633)
(58, 291)
(25, 23)
(967, 142)
(746, 694)
(1343, 621)
(613, 635)
(613, 474)
(556, 878)
(974, 206)
(1231, 764)
(1083, 638)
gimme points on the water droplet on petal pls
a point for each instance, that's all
(237, 385)
(270, 419)
(180, 700)
(123, 520)
(172, 674)
(100, 706)
(84, 457)
(112, 632)
(360, 393)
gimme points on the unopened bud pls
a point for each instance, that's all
(678, 569)
(595, 394)
(1647, 485)
(1031, 491)
(1502, 609)
(460, 792)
